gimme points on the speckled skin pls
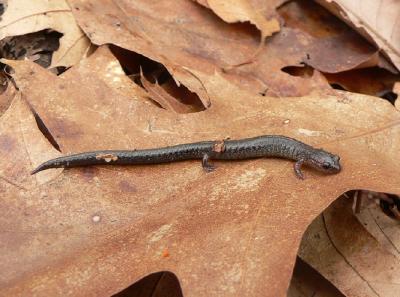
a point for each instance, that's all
(257, 147)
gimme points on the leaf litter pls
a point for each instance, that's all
(232, 232)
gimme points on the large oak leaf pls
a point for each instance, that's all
(234, 232)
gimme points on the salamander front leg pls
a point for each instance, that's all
(205, 162)
(297, 168)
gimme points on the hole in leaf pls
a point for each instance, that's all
(3, 7)
(3, 79)
(390, 96)
(156, 73)
(300, 71)
(391, 208)
(159, 284)
(38, 46)
(337, 87)
(388, 203)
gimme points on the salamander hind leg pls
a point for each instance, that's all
(205, 162)
(297, 168)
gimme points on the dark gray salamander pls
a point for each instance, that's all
(256, 147)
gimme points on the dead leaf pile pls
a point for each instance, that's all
(144, 74)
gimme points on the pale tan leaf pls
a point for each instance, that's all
(22, 17)
(259, 13)
(386, 230)
(345, 253)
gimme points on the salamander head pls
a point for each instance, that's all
(323, 161)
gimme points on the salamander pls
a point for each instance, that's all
(276, 146)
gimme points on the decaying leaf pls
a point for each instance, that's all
(233, 232)
(23, 17)
(377, 20)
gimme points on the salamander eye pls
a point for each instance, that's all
(326, 166)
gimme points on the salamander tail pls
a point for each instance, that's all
(37, 169)
(41, 167)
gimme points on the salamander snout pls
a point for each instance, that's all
(325, 162)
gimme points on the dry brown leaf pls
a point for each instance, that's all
(112, 75)
(323, 35)
(374, 81)
(262, 14)
(197, 41)
(158, 94)
(377, 20)
(188, 39)
(342, 250)
(234, 232)
(23, 17)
